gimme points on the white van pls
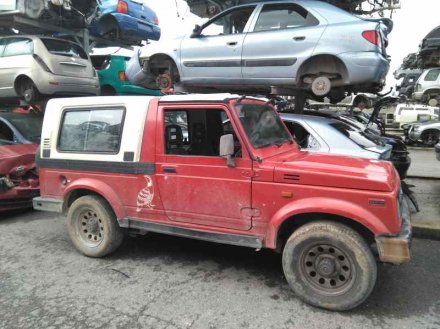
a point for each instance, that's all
(405, 113)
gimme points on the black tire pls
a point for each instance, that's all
(329, 265)
(93, 227)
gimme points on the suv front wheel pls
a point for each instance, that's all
(93, 227)
(329, 265)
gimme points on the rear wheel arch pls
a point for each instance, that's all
(19, 81)
(108, 90)
(107, 24)
(323, 63)
(109, 197)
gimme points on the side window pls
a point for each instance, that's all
(6, 133)
(18, 46)
(91, 130)
(231, 23)
(283, 16)
(432, 75)
(196, 132)
(300, 134)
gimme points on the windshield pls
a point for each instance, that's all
(262, 125)
(362, 139)
(28, 125)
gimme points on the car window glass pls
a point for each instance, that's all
(64, 48)
(18, 46)
(360, 138)
(432, 75)
(233, 22)
(196, 132)
(283, 16)
(262, 125)
(298, 132)
(91, 131)
(6, 133)
(29, 126)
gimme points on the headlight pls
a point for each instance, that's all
(416, 128)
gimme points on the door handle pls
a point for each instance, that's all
(171, 170)
(299, 38)
(231, 43)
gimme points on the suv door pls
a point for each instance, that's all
(283, 36)
(195, 183)
(216, 52)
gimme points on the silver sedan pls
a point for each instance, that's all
(308, 46)
(321, 134)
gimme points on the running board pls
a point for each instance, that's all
(232, 239)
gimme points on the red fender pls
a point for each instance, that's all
(100, 188)
(325, 206)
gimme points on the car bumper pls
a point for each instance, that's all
(18, 198)
(48, 204)
(414, 135)
(51, 84)
(365, 67)
(134, 27)
(396, 249)
(437, 151)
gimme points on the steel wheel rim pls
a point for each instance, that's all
(90, 227)
(327, 269)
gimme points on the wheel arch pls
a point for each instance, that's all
(84, 187)
(106, 22)
(163, 56)
(323, 63)
(296, 214)
(19, 79)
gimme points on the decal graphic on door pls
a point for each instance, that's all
(146, 195)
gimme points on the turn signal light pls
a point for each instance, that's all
(122, 7)
(156, 20)
(122, 76)
(371, 36)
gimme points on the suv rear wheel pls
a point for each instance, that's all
(329, 265)
(92, 226)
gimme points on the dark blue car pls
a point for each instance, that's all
(129, 20)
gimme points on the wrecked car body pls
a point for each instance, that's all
(18, 176)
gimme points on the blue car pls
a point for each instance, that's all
(129, 20)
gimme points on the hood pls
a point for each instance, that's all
(428, 123)
(14, 156)
(335, 171)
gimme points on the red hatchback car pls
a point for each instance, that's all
(18, 175)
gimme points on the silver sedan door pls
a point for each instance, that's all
(215, 52)
(283, 36)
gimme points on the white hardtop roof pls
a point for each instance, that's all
(99, 100)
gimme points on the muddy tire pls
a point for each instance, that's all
(93, 227)
(329, 265)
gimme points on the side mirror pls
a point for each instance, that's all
(196, 32)
(227, 149)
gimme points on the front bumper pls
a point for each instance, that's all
(396, 249)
